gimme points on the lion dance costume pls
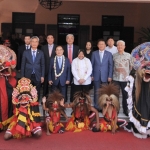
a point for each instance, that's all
(138, 89)
(26, 118)
(80, 119)
(110, 93)
(54, 111)
(7, 82)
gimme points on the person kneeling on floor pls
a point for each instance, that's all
(109, 103)
(81, 118)
(54, 110)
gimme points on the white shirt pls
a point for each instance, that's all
(27, 46)
(81, 69)
(32, 52)
(112, 50)
(101, 53)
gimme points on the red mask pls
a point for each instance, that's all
(55, 105)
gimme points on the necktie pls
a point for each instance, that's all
(50, 50)
(27, 47)
(101, 57)
(70, 54)
(33, 55)
(59, 62)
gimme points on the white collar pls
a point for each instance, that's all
(101, 51)
(33, 50)
(50, 45)
(59, 56)
(70, 45)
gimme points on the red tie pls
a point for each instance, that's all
(70, 54)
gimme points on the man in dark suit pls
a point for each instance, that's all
(59, 71)
(33, 65)
(102, 64)
(71, 52)
(21, 49)
(49, 52)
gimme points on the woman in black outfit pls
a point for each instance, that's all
(88, 54)
(88, 49)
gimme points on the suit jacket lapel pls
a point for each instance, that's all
(104, 56)
(37, 55)
(53, 51)
(30, 55)
(98, 56)
(47, 51)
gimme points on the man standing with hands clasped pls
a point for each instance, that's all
(49, 52)
(33, 64)
(59, 71)
(102, 64)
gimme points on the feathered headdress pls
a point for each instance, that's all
(24, 92)
(82, 95)
(109, 92)
(54, 97)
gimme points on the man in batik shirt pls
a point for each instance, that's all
(122, 68)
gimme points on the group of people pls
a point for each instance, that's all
(60, 66)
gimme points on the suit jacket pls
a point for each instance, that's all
(46, 56)
(102, 71)
(65, 76)
(21, 49)
(75, 51)
(27, 65)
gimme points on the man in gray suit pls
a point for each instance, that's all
(102, 64)
(33, 64)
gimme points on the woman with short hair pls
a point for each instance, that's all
(81, 70)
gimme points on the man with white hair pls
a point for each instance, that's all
(122, 68)
(71, 52)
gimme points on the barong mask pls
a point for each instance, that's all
(141, 63)
(24, 93)
(82, 98)
(53, 101)
(55, 106)
(109, 93)
(7, 60)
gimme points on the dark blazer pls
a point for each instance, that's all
(75, 51)
(27, 65)
(46, 56)
(102, 71)
(21, 49)
(65, 76)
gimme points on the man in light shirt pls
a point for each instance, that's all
(122, 67)
(111, 48)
